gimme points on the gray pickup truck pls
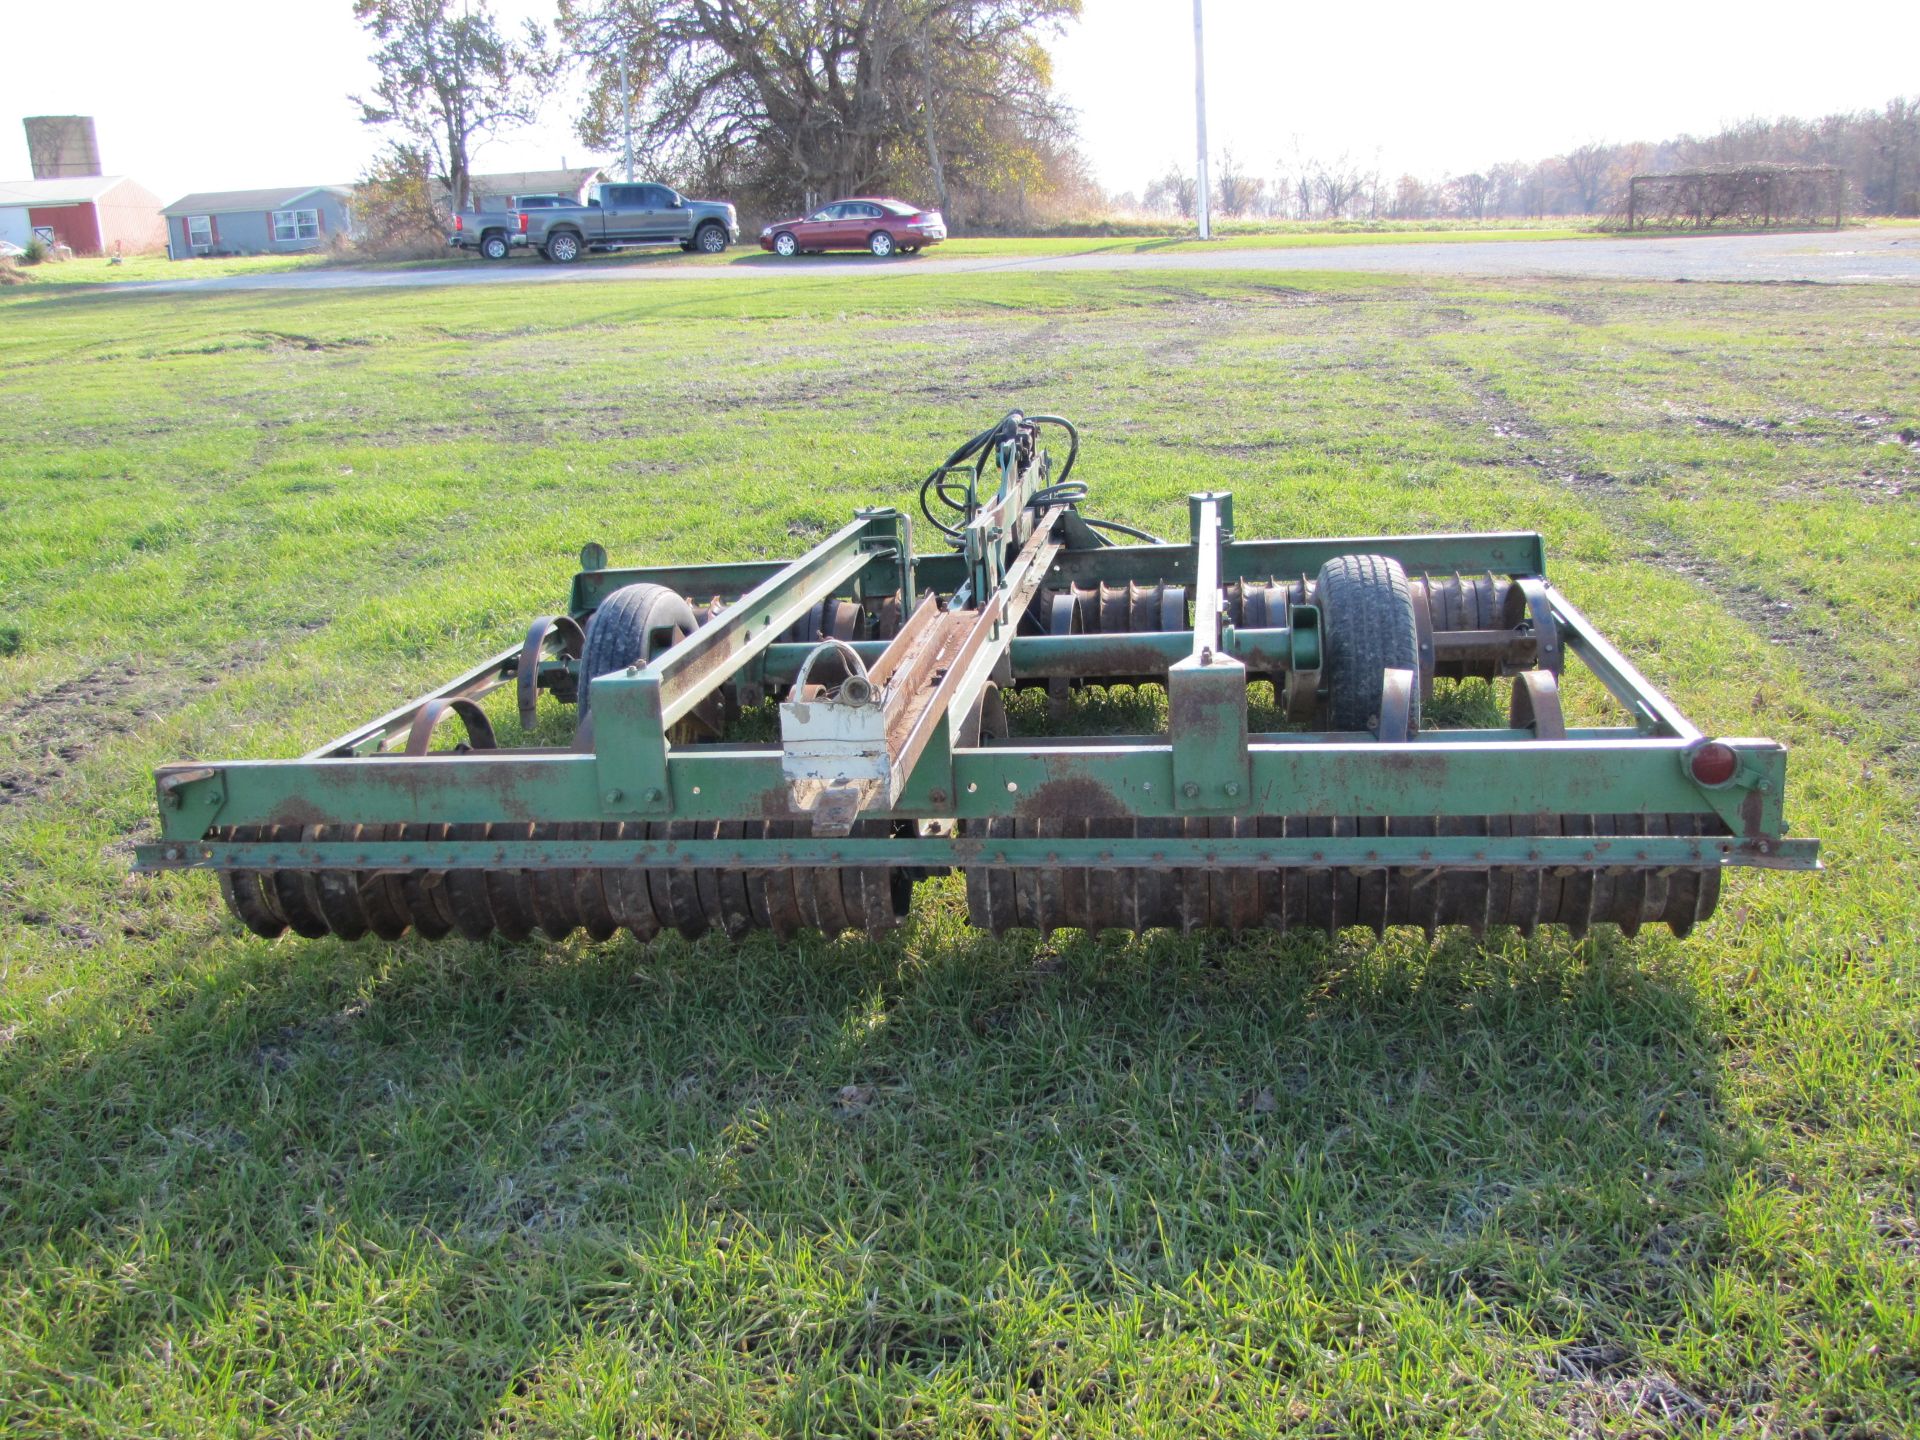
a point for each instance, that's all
(495, 232)
(617, 215)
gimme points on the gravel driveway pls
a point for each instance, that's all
(1888, 253)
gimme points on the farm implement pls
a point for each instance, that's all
(887, 675)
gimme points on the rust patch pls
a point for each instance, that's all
(1074, 799)
(1410, 762)
(777, 805)
(298, 811)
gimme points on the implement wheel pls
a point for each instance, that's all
(632, 625)
(1366, 615)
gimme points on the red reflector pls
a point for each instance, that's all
(458, 224)
(523, 222)
(1714, 763)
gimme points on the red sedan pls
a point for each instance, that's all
(884, 227)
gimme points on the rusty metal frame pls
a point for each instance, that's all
(1207, 770)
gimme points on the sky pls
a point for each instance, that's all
(231, 94)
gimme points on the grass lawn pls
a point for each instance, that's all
(99, 270)
(1235, 236)
(944, 1185)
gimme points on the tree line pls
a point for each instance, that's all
(1877, 150)
(777, 104)
(781, 104)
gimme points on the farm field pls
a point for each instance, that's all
(944, 1185)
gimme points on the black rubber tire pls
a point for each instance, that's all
(564, 248)
(881, 245)
(495, 247)
(632, 625)
(703, 238)
(791, 239)
(1366, 628)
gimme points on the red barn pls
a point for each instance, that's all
(90, 214)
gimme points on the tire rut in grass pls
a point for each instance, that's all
(52, 732)
(1800, 626)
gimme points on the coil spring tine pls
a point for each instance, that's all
(1653, 904)
(249, 893)
(551, 890)
(1272, 884)
(1103, 881)
(1500, 879)
(382, 897)
(335, 894)
(735, 906)
(783, 889)
(590, 899)
(629, 898)
(510, 891)
(706, 883)
(465, 891)
(423, 893)
(676, 890)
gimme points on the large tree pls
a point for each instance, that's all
(450, 79)
(794, 100)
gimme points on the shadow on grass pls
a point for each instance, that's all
(704, 1143)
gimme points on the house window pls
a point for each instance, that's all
(296, 225)
(199, 230)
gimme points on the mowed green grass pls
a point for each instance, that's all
(1233, 235)
(944, 1185)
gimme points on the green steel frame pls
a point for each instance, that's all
(1024, 541)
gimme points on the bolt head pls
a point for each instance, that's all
(1191, 790)
(615, 795)
(654, 797)
(1233, 787)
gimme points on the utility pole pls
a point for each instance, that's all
(1203, 193)
(626, 115)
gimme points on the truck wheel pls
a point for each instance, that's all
(632, 625)
(1366, 622)
(564, 248)
(785, 246)
(881, 244)
(494, 247)
(711, 238)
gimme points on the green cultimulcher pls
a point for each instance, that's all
(895, 762)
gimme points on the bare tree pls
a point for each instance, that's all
(1586, 167)
(1238, 193)
(1174, 191)
(1338, 185)
(1470, 193)
(450, 79)
(1410, 199)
